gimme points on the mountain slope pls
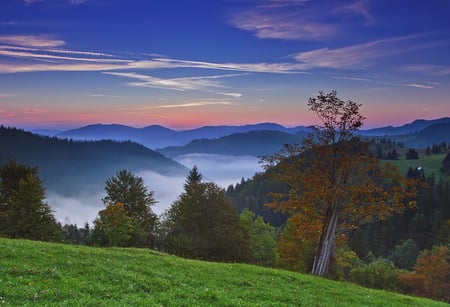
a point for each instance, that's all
(67, 166)
(49, 274)
(254, 143)
(413, 127)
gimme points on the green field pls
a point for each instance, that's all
(431, 164)
(37, 273)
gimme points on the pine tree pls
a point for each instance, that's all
(202, 223)
(23, 212)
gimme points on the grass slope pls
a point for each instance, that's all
(431, 164)
(37, 273)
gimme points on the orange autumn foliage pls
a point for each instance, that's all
(431, 275)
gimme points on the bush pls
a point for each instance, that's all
(405, 255)
(431, 275)
(380, 274)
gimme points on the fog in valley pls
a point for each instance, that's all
(223, 170)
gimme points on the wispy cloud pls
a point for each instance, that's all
(360, 55)
(42, 48)
(32, 1)
(265, 22)
(359, 8)
(299, 19)
(6, 114)
(234, 95)
(437, 70)
(352, 78)
(37, 41)
(5, 95)
(105, 95)
(416, 85)
(23, 54)
(192, 104)
(35, 111)
(179, 84)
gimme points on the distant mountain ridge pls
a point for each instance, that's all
(156, 136)
(413, 127)
(160, 138)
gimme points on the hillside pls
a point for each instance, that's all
(68, 166)
(435, 133)
(254, 143)
(409, 128)
(37, 273)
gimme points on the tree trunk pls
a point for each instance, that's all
(325, 249)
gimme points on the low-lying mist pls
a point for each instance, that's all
(223, 170)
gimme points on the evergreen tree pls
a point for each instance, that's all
(412, 154)
(202, 223)
(23, 212)
(446, 165)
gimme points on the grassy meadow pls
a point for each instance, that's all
(431, 164)
(46, 274)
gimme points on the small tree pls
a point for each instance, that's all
(263, 244)
(405, 255)
(446, 165)
(412, 154)
(23, 212)
(334, 181)
(114, 227)
(129, 190)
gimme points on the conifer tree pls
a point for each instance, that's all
(23, 212)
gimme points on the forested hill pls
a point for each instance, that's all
(254, 143)
(68, 166)
(436, 133)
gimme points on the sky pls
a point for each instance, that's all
(189, 63)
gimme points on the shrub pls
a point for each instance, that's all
(380, 274)
(431, 275)
(405, 255)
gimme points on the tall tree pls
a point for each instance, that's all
(202, 223)
(333, 179)
(130, 191)
(23, 212)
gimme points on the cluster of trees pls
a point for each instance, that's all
(202, 223)
(438, 148)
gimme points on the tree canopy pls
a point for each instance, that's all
(335, 184)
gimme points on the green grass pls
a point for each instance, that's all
(430, 163)
(46, 274)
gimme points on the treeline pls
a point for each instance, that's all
(202, 223)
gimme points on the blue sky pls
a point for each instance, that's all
(183, 64)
